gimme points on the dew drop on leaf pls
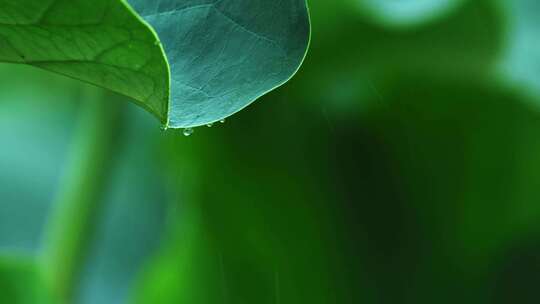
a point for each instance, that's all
(222, 121)
(188, 131)
(209, 125)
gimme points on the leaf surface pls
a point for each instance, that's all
(224, 54)
(102, 42)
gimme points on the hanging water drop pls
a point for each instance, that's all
(209, 125)
(222, 121)
(188, 131)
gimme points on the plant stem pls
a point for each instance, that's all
(71, 225)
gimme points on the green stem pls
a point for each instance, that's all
(72, 222)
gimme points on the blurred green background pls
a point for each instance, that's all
(401, 165)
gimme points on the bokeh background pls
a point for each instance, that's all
(400, 165)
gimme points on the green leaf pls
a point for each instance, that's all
(224, 54)
(102, 42)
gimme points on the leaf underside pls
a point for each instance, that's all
(224, 54)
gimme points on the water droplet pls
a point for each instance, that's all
(209, 125)
(222, 121)
(188, 131)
